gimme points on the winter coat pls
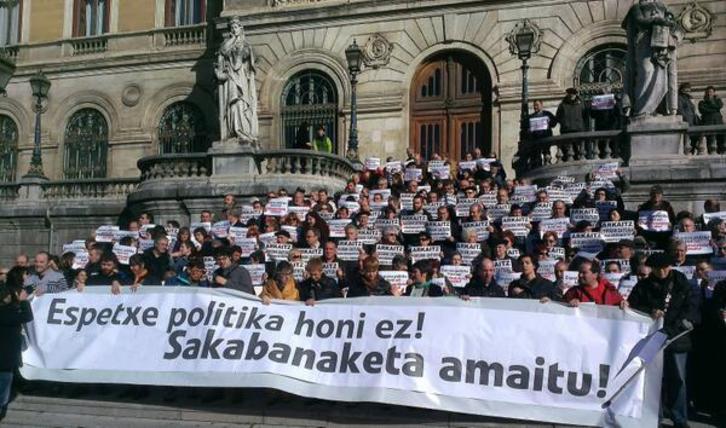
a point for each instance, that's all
(650, 294)
(537, 288)
(288, 292)
(326, 288)
(477, 288)
(571, 116)
(711, 111)
(357, 287)
(12, 318)
(687, 109)
(609, 295)
(536, 135)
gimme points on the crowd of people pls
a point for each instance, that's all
(428, 228)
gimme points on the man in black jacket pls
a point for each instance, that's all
(232, 275)
(157, 258)
(14, 312)
(482, 283)
(531, 285)
(666, 294)
(317, 286)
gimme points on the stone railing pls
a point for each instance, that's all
(705, 140)
(183, 36)
(10, 52)
(107, 188)
(568, 148)
(9, 191)
(89, 45)
(175, 166)
(303, 162)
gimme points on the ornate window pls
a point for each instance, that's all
(601, 67)
(86, 145)
(185, 12)
(182, 129)
(8, 149)
(309, 100)
(91, 17)
(10, 12)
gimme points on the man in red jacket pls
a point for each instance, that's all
(592, 288)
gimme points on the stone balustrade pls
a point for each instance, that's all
(705, 140)
(112, 188)
(9, 192)
(303, 162)
(89, 45)
(175, 166)
(183, 36)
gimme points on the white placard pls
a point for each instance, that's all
(237, 233)
(309, 253)
(431, 252)
(541, 123)
(349, 250)
(204, 225)
(697, 243)
(590, 215)
(707, 217)
(614, 231)
(558, 225)
(386, 253)
(497, 211)
(369, 236)
(467, 165)
(571, 278)
(440, 172)
(394, 167)
(541, 211)
(607, 170)
(277, 207)
(589, 242)
(397, 279)
(459, 276)
(337, 227)
(519, 226)
(106, 233)
(603, 102)
(439, 230)
(257, 273)
(468, 251)
(373, 164)
(124, 252)
(278, 252)
(654, 221)
(220, 229)
(248, 246)
(546, 269)
(412, 224)
(481, 228)
(411, 174)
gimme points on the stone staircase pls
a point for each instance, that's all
(256, 408)
(240, 408)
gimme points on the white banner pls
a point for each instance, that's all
(421, 352)
(697, 243)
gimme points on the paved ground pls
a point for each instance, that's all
(253, 408)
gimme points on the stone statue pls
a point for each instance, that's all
(235, 71)
(651, 78)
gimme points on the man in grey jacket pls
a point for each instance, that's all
(232, 275)
(45, 279)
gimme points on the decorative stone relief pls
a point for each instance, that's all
(696, 21)
(131, 95)
(377, 51)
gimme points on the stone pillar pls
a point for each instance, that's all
(656, 137)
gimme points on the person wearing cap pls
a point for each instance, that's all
(666, 294)
(282, 237)
(687, 110)
(657, 203)
(571, 113)
(593, 288)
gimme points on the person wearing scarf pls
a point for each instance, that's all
(282, 286)
(422, 273)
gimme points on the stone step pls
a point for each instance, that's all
(258, 408)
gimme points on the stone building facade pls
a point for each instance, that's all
(438, 74)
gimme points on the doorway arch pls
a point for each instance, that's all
(451, 106)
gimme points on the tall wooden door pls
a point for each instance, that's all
(451, 106)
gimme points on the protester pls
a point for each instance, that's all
(321, 142)
(482, 282)
(571, 113)
(593, 288)
(317, 286)
(710, 109)
(687, 110)
(368, 281)
(665, 294)
(44, 279)
(14, 312)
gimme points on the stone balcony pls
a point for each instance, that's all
(36, 215)
(690, 170)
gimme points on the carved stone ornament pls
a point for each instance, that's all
(696, 21)
(377, 51)
(131, 95)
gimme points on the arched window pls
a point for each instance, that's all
(601, 67)
(182, 129)
(86, 145)
(8, 149)
(309, 100)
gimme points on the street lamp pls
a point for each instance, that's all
(524, 41)
(354, 56)
(7, 68)
(40, 86)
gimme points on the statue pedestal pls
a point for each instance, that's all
(232, 159)
(654, 138)
(656, 148)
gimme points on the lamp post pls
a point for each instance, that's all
(7, 68)
(354, 56)
(40, 86)
(524, 41)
